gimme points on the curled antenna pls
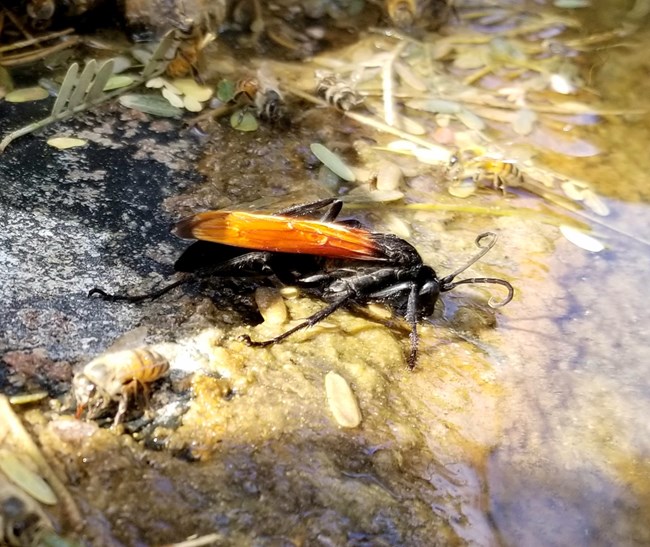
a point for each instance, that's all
(492, 302)
(447, 283)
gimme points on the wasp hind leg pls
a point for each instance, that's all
(138, 297)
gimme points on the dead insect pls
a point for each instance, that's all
(246, 90)
(501, 172)
(40, 13)
(337, 93)
(401, 12)
(269, 101)
(406, 14)
(186, 58)
(118, 377)
(339, 262)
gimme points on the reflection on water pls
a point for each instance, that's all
(573, 466)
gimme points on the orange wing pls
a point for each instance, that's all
(283, 234)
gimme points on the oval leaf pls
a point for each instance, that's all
(191, 104)
(173, 98)
(118, 81)
(470, 120)
(436, 106)
(150, 104)
(243, 121)
(333, 161)
(27, 94)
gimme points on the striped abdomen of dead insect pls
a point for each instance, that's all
(337, 93)
(114, 376)
(246, 91)
(191, 43)
(502, 173)
(402, 13)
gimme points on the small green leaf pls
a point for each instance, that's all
(226, 91)
(117, 81)
(151, 104)
(27, 94)
(333, 161)
(243, 120)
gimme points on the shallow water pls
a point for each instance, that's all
(573, 463)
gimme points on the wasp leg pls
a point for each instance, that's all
(309, 322)
(138, 297)
(411, 315)
(246, 265)
(412, 318)
(310, 209)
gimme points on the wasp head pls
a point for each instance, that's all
(429, 291)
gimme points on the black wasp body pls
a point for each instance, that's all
(337, 261)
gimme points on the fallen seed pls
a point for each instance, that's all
(63, 143)
(581, 239)
(342, 401)
(271, 305)
(462, 188)
(27, 398)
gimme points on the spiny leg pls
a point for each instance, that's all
(412, 319)
(138, 297)
(255, 263)
(309, 322)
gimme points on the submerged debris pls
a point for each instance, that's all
(337, 92)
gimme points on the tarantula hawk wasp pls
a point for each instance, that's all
(338, 261)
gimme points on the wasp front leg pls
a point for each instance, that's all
(309, 322)
(411, 314)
